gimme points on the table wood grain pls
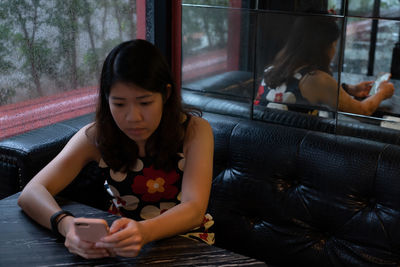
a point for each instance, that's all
(23, 242)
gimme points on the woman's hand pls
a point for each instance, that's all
(360, 90)
(126, 238)
(75, 245)
(386, 89)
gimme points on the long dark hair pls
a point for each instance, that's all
(308, 44)
(140, 63)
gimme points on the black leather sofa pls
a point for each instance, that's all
(296, 197)
(285, 195)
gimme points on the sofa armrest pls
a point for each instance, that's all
(22, 156)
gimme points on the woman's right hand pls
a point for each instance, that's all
(80, 247)
(386, 89)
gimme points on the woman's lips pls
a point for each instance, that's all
(135, 131)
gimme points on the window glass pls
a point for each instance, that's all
(217, 58)
(387, 37)
(390, 9)
(205, 33)
(336, 6)
(360, 8)
(301, 6)
(361, 52)
(386, 8)
(358, 35)
(48, 48)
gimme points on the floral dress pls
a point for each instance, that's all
(145, 192)
(285, 94)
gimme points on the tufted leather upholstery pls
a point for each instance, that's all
(242, 108)
(285, 195)
(294, 197)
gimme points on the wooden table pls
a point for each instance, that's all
(23, 242)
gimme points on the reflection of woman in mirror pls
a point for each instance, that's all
(300, 74)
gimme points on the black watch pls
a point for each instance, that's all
(56, 218)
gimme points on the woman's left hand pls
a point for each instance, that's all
(362, 89)
(126, 238)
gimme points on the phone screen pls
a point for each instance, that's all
(378, 81)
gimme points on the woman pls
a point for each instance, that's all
(143, 140)
(300, 74)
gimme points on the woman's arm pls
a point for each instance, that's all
(322, 88)
(36, 198)
(128, 236)
(360, 90)
(367, 106)
(196, 185)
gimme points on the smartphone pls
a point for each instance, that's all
(381, 78)
(90, 229)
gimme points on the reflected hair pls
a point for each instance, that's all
(139, 63)
(308, 44)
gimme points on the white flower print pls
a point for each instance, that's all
(279, 95)
(118, 176)
(150, 211)
(138, 166)
(181, 162)
(298, 76)
(277, 106)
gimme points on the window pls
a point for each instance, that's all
(51, 54)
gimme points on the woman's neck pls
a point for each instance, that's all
(142, 149)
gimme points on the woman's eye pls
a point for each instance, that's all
(118, 104)
(146, 103)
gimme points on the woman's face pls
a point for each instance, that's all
(136, 111)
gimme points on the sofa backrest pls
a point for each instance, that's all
(298, 197)
(242, 108)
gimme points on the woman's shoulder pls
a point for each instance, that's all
(198, 123)
(84, 142)
(319, 87)
(87, 133)
(198, 129)
(318, 77)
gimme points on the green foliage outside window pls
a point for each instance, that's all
(52, 46)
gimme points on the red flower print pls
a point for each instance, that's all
(261, 90)
(121, 201)
(155, 184)
(204, 236)
(205, 220)
(114, 210)
(278, 97)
